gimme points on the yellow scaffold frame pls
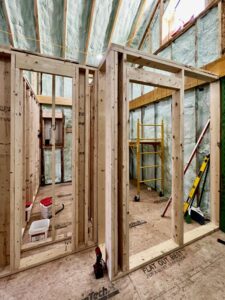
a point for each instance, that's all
(158, 144)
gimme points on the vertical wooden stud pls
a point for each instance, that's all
(215, 151)
(177, 162)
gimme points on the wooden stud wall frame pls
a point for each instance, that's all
(115, 73)
(84, 154)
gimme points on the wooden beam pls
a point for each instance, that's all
(34, 63)
(64, 33)
(8, 23)
(58, 100)
(141, 76)
(111, 164)
(136, 23)
(215, 152)
(114, 21)
(217, 67)
(149, 24)
(89, 30)
(177, 163)
(153, 61)
(37, 28)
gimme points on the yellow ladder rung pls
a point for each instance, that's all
(147, 139)
(148, 180)
(151, 166)
(150, 125)
(151, 152)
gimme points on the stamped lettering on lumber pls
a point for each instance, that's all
(102, 294)
(164, 263)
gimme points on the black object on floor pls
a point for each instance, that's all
(221, 241)
(99, 266)
(58, 211)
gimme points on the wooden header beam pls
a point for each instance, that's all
(153, 61)
(141, 76)
(217, 67)
(58, 100)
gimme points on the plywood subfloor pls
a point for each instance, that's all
(156, 229)
(198, 274)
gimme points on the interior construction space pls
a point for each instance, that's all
(112, 130)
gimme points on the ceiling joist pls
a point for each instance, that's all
(137, 22)
(89, 26)
(37, 30)
(9, 28)
(64, 33)
(149, 24)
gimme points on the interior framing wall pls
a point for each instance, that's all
(117, 231)
(84, 154)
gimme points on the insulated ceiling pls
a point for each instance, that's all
(80, 30)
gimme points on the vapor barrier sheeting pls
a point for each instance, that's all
(102, 22)
(21, 17)
(51, 26)
(4, 39)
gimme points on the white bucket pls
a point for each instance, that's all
(39, 230)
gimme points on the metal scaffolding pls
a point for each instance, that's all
(158, 145)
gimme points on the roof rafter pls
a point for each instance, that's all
(149, 23)
(89, 26)
(115, 20)
(64, 33)
(135, 27)
(37, 29)
(9, 28)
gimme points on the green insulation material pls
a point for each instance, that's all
(155, 30)
(222, 158)
(104, 14)
(4, 38)
(21, 17)
(183, 48)
(126, 17)
(147, 11)
(77, 28)
(196, 114)
(208, 38)
(51, 26)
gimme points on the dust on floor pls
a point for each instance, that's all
(196, 272)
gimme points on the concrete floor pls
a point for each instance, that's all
(196, 272)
